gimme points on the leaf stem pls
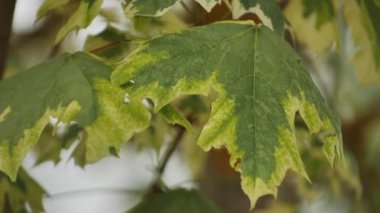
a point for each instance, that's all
(186, 8)
(158, 186)
(228, 5)
(169, 152)
(109, 46)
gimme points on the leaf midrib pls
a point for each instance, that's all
(253, 102)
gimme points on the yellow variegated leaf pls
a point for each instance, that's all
(71, 88)
(261, 85)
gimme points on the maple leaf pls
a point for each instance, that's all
(261, 85)
(71, 88)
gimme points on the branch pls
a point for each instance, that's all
(6, 17)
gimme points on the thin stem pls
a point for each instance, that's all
(158, 186)
(228, 5)
(6, 17)
(169, 152)
(187, 9)
(109, 46)
(55, 50)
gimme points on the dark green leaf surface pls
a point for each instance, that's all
(261, 86)
(176, 201)
(69, 88)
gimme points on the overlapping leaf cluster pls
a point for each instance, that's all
(260, 82)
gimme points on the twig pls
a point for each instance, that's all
(228, 5)
(54, 51)
(186, 8)
(158, 186)
(109, 46)
(6, 17)
(170, 150)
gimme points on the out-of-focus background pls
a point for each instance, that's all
(333, 45)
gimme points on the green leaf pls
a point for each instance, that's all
(71, 88)
(371, 18)
(267, 10)
(152, 8)
(194, 103)
(110, 37)
(172, 116)
(155, 135)
(159, 130)
(179, 200)
(14, 196)
(50, 5)
(324, 10)
(49, 145)
(261, 86)
(34, 192)
(82, 17)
